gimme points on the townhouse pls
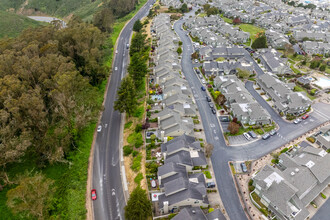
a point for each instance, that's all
(286, 101)
(241, 103)
(297, 180)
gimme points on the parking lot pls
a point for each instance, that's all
(237, 140)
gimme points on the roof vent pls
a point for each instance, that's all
(193, 211)
(292, 173)
(296, 170)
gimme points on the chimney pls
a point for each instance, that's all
(165, 207)
(162, 134)
(159, 180)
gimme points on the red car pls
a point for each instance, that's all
(94, 194)
(305, 117)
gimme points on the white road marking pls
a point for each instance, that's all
(321, 114)
(212, 125)
(216, 138)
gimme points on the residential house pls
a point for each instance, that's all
(323, 139)
(285, 100)
(272, 61)
(314, 47)
(196, 213)
(298, 180)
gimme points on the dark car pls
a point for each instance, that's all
(93, 194)
(203, 88)
(208, 99)
(272, 132)
(244, 168)
(266, 136)
(210, 185)
(252, 134)
(214, 111)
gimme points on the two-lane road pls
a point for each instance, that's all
(107, 180)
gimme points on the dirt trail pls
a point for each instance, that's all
(20, 10)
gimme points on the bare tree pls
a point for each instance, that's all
(208, 149)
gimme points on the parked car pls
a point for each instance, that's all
(305, 117)
(272, 132)
(203, 81)
(252, 134)
(99, 128)
(196, 61)
(318, 133)
(297, 121)
(244, 168)
(116, 51)
(203, 88)
(214, 111)
(211, 105)
(208, 99)
(127, 46)
(94, 194)
(200, 76)
(247, 136)
(266, 136)
(210, 185)
(149, 134)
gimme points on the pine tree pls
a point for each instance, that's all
(126, 97)
(138, 206)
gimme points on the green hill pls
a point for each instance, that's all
(12, 24)
(62, 8)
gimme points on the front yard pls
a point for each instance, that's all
(253, 30)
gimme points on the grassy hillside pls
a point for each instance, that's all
(62, 8)
(12, 24)
(8, 4)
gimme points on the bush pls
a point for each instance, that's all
(323, 196)
(284, 150)
(127, 150)
(263, 211)
(275, 161)
(322, 67)
(128, 125)
(138, 128)
(207, 174)
(251, 188)
(172, 215)
(311, 139)
(135, 139)
(313, 91)
(263, 93)
(136, 165)
(211, 210)
(135, 153)
(138, 178)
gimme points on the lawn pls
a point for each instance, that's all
(228, 20)
(301, 89)
(253, 30)
(12, 24)
(295, 70)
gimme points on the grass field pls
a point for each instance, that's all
(10, 4)
(12, 24)
(253, 30)
(228, 20)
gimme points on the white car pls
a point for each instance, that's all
(203, 81)
(297, 121)
(99, 128)
(247, 136)
(116, 51)
(116, 68)
(196, 61)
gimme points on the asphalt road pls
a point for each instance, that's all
(110, 201)
(222, 153)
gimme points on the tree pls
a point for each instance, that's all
(138, 206)
(137, 26)
(288, 50)
(208, 149)
(260, 41)
(184, 8)
(137, 69)
(179, 50)
(206, 7)
(221, 99)
(322, 67)
(212, 11)
(243, 74)
(104, 20)
(194, 55)
(126, 97)
(233, 127)
(237, 20)
(138, 43)
(31, 197)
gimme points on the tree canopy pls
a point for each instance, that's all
(137, 26)
(260, 41)
(138, 206)
(126, 97)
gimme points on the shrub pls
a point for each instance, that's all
(211, 210)
(313, 91)
(135, 139)
(135, 153)
(251, 188)
(262, 93)
(136, 165)
(172, 215)
(128, 125)
(311, 139)
(138, 128)
(207, 174)
(323, 196)
(275, 161)
(284, 150)
(263, 211)
(138, 178)
(127, 150)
